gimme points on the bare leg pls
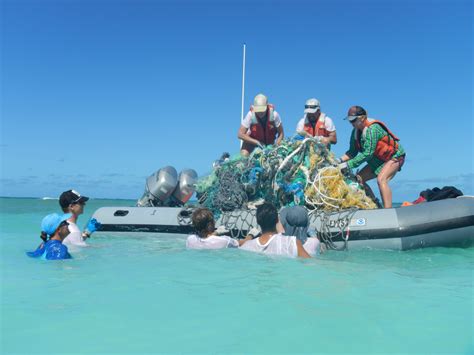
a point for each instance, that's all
(388, 171)
(364, 175)
(244, 152)
(246, 149)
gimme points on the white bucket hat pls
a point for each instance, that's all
(311, 106)
(260, 103)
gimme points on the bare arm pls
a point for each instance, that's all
(280, 135)
(301, 251)
(345, 157)
(332, 137)
(245, 137)
(246, 239)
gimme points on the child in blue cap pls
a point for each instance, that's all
(56, 227)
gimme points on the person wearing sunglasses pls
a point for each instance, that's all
(55, 227)
(372, 142)
(261, 126)
(316, 124)
(72, 202)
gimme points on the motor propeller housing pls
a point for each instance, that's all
(166, 188)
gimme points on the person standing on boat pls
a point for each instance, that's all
(261, 126)
(372, 142)
(72, 202)
(316, 124)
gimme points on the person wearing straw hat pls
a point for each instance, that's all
(261, 126)
(316, 124)
(372, 142)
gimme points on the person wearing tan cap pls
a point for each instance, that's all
(261, 126)
(372, 142)
(316, 124)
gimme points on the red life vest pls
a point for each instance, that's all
(319, 128)
(263, 133)
(386, 147)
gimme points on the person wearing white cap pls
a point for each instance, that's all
(261, 126)
(316, 124)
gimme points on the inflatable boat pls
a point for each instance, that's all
(445, 223)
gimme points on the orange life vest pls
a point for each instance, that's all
(386, 147)
(319, 129)
(263, 133)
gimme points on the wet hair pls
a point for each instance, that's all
(267, 217)
(44, 236)
(203, 221)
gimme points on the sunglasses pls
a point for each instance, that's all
(311, 106)
(356, 117)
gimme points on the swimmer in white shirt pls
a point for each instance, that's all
(272, 242)
(72, 202)
(294, 221)
(205, 226)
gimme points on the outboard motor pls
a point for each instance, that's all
(159, 187)
(186, 186)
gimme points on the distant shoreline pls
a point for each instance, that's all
(47, 198)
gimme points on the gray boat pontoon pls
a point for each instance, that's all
(445, 223)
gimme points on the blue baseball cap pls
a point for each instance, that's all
(52, 221)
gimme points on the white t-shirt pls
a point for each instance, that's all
(211, 242)
(278, 244)
(328, 123)
(74, 238)
(312, 246)
(248, 119)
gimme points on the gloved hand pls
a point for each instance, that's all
(344, 168)
(338, 160)
(92, 226)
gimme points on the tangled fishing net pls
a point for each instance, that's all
(302, 172)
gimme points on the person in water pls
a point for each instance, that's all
(272, 242)
(206, 237)
(316, 124)
(372, 142)
(295, 222)
(72, 202)
(261, 126)
(55, 226)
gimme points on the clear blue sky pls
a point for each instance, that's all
(96, 95)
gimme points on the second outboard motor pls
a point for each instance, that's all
(159, 187)
(186, 186)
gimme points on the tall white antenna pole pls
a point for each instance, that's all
(243, 87)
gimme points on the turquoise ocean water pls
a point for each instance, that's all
(137, 294)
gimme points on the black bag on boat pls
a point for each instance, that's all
(436, 193)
